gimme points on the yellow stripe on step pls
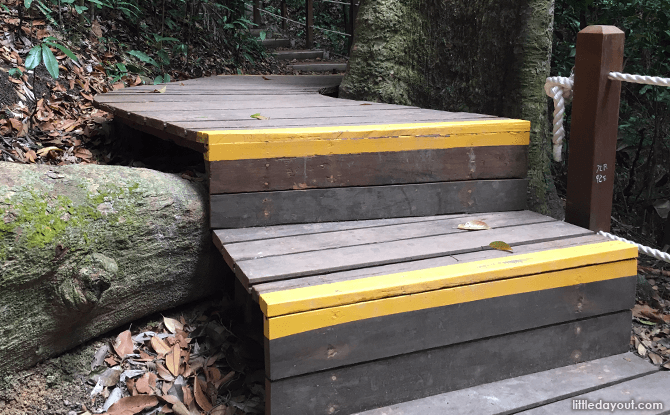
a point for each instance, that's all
(306, 142)
(287, 325)
(372, 288)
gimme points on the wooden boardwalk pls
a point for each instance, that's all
(340, 221)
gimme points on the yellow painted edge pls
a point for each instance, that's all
(371, 288)
(287, 325)
(305, 142)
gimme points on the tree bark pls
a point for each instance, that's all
(84, 249)
(456, 55)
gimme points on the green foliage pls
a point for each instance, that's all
(643, 153)
(41, 53)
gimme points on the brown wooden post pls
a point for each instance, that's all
(309, 41)
(352, 17)
(593, 132)
(284, 14)
(257, 12)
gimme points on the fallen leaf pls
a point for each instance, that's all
(646, 312)
(475, 225)
(16, 124)
(83, 153)
(164, 373)
(161, 90)
(266, 78)
(219, 410)
(96, 29)
(258, 116)
(43, 151)
(147, 383)
(31, 156)
(188, 395)
(111, 360)
(133, 404)
(159, 345)
(177, 406)
(641, 350)
(501, 246)
(655, 359)
(224, 379)
(200, 397)
(123, 345)
(172, 325)
(172, 360)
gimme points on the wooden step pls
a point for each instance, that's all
(594, 380)
(271, 43)
(298, 54)
(319, 67)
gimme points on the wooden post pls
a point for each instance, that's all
(309, 41)
(350, 27)
(284, 14)
(257, 12)
(593, 134)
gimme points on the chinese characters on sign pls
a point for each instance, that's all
(601, 177)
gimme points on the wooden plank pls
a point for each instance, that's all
(650, 389)
(332, 277)
(255, 271)
(524, 392)
(225, 236)
(400, 284)
(242, 210)
(353, 342)
(274, 113)
(242, 251)
(368, 169)
(417, 375)
(317, 101)
(319, 318)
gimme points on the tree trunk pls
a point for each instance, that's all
(456, 55)
(84, 249)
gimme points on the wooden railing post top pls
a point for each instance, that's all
(602, 30)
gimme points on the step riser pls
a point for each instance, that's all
(386, 336)
(298, 54)
(404, 378)
(276, 43)
(319, 67)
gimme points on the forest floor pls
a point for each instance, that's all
(53, 121)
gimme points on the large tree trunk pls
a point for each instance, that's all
(489, 57)
(84, 249)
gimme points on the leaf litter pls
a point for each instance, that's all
(196, 374)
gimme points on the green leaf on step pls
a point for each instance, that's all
(263, 35)
(258, 116)
(501, 246)
(50, 61)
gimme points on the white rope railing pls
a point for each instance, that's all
(663, 256)
(559, 88)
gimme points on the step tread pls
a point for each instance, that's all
(532, 391)
(298, 54)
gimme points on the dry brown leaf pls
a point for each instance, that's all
(172, 325)
(159, 345)
(31, 156)
(133, 404)
(111, 361)
(219, 410)
(188, 395)
(16, 124)
(147, 383)
(123, 345)
(177, 406)
(130, 385)
(224, 379)
(145, 357)
(173, 360)
(655, 359)
(474, 225)
(200, 397)
(213, 374)
(164, 373)
(641, 350)
(83, 154)
(96, 29)
(648, 313)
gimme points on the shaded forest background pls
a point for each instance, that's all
(79, 48)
